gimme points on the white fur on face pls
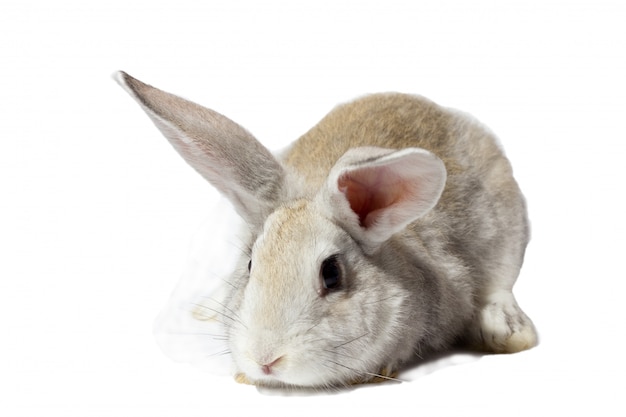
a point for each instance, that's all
(286, 327)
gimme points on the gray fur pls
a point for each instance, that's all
(424, 267)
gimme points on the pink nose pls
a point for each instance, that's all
(267, 368)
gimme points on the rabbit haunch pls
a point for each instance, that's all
(414, 206)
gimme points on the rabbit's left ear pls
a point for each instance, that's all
(222, 151)
(374, 193)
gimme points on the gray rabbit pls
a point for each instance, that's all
(392, 229)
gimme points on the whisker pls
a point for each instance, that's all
(237, 243)
(380, 300)
(313, 327)
(236, 320)
(230, 283)
(350, 341)
(229, 310)
(344, 366)
(220, 353)
(211, 335)
(388, 378)
(372, 374)
(418, 351)
(345, 355)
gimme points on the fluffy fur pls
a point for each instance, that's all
(415, 204)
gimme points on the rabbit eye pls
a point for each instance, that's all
(250, 265)
(330, 274)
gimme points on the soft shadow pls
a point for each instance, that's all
(421, 367)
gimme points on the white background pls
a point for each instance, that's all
(97, 212)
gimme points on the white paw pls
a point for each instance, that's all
(504, 327)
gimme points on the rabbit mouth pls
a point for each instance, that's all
(384, 375)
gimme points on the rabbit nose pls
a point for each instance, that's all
(267, 368)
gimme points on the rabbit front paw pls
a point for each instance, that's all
(503, 327)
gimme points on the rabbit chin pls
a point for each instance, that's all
(280, 379)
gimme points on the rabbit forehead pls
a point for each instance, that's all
(286, 258)
(287, 255)
(294, 238)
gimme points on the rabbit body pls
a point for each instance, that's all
(391, 229)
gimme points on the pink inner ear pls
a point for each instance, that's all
(369, 191)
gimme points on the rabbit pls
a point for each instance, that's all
(392, 229)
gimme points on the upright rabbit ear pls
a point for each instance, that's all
(223, 152)
(375, 193)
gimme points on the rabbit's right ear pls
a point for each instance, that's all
(223, 152)
(375, 192)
